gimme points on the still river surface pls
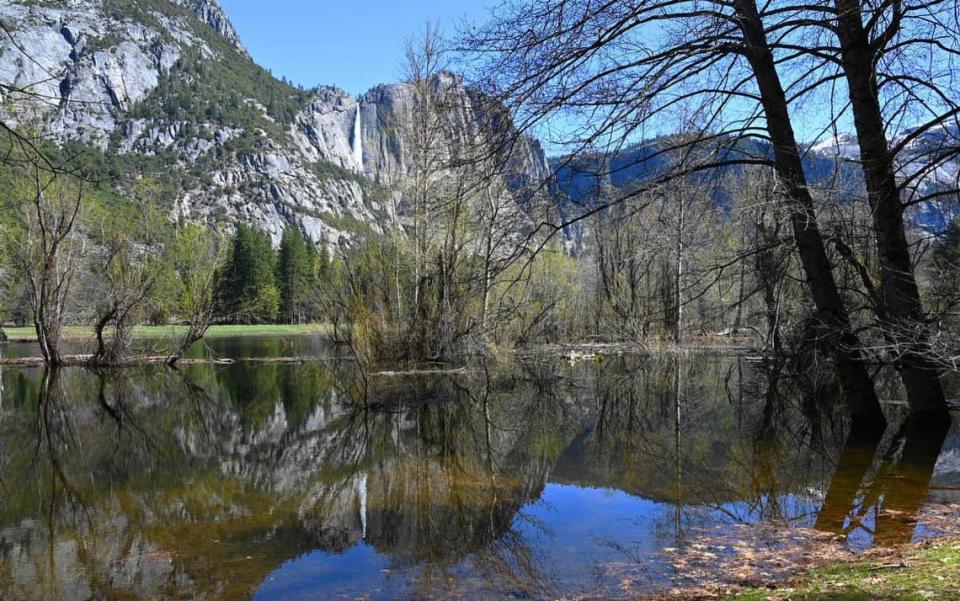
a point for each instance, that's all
(543, 480)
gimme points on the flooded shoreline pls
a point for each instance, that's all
(614, 477)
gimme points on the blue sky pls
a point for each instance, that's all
(354, 44)
(357, 44)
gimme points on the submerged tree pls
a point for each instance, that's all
(124, 276)
(46, 253)
(196, 259)
(735, 73)
(879, 48)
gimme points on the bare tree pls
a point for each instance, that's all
(759, 205)
(425, 141)
(47, 252)
(128, 282)
(612, 76)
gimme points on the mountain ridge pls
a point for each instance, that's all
(167, 88)
(832, 166)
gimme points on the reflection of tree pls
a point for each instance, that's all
(442, 483)
(630, 442)
(795, 428)
(184, 474)
(98, 454)
(881, 496)
(63, 495)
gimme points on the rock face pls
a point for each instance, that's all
(169, 82)
(327, 129)
(82, 70)
(211, 13)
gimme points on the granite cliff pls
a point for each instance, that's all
(164, 91)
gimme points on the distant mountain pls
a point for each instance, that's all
(938, 146)
(830, 165)
(581, 177)
(164, 89)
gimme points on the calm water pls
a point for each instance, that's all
(309, 481)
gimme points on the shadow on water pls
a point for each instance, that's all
(276, 481)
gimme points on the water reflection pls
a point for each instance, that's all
(880, 485)
(276, 481)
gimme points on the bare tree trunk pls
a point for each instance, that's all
(901, 314)
(100, 356)
(485, 309)
(738, 318)
(837, 332)
(678, 334)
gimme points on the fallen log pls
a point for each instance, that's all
(142, 360)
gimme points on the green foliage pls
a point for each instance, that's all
(546, 303)
(104, 199)
(248, 291)
(192, 260)
(296, 275)
(389, 314)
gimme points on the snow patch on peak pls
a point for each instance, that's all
(843, 146)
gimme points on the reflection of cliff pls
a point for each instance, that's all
(206, 493)
(430, 477)
(160, 485)
(945, 484)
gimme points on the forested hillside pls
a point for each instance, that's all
(161, 100)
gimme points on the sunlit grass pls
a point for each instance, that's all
(924, 573)
(82, 333)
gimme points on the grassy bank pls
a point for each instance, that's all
(81, 333)
(930, 570)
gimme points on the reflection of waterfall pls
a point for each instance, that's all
(358, 140)
(363, 506)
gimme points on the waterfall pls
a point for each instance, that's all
(358, 140)
(363, 506)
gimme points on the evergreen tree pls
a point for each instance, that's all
(324, 264)
(248, 285)
(296, 274)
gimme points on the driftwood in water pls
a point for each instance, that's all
(421, 372)
(138, 361)
(143, 360)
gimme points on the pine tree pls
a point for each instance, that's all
(324, 264)
(295, 274)
(248, 286)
